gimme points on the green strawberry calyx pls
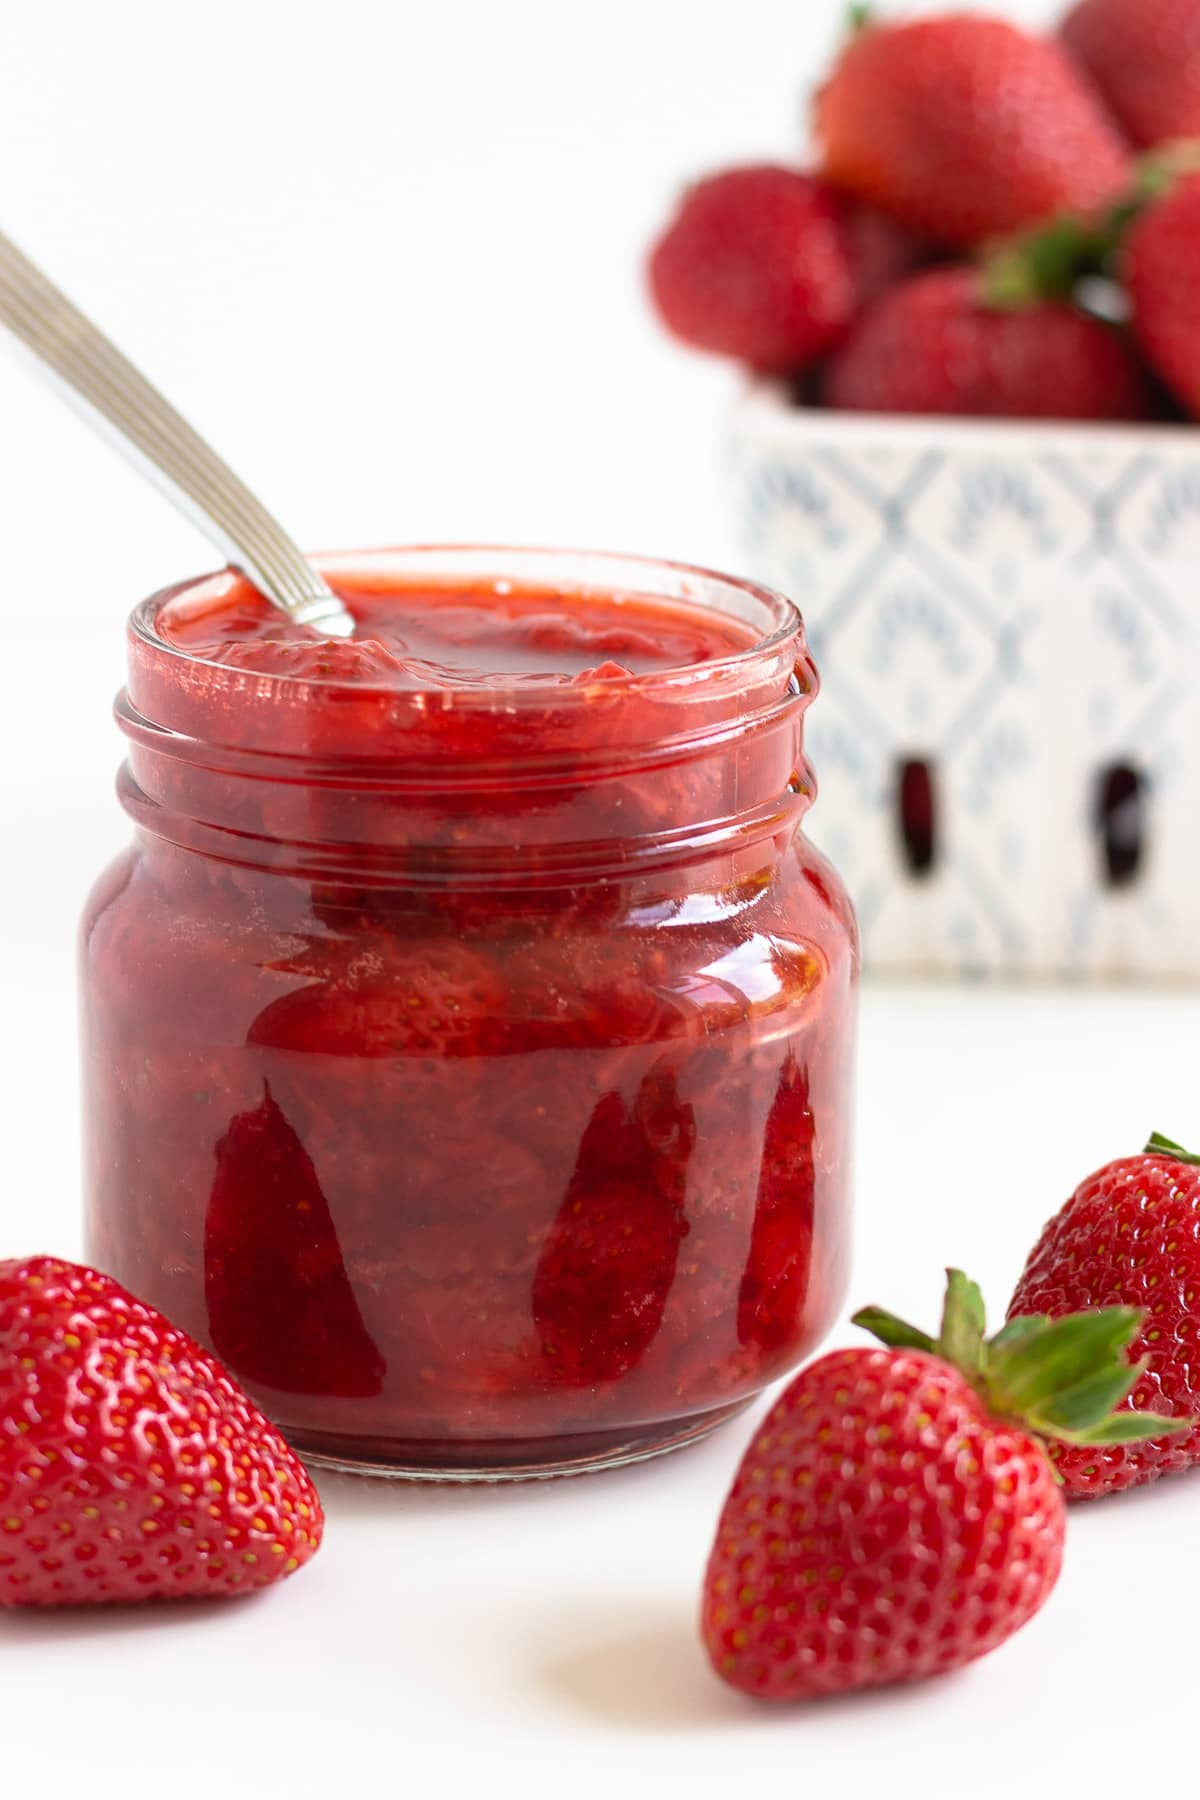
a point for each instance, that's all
(1047, 263)
(1051, 261)
(1060, 1379)
(1158, 1145)
(1154, 175)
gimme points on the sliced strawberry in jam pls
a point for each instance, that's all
(281, 1310)
(775, 1281)
(606, 1271)
(382, 996)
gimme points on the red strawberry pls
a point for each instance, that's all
(131, 1466)
(935, 345)
(896, 1516)
(1160, 265)
(880, 250)
(1128, 1236)
(966, 128)
(755, 266)
(1144, 56)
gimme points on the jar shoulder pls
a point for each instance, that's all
(818, 894)
(110, 894)
(267, 960)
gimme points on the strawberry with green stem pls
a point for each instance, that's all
(1129, 1236)
(958, 340)
(897, 1515)
(1145, 245)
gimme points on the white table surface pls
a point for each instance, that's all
(544, 1635)
(443, 263)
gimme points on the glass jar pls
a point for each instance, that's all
(471, 1070)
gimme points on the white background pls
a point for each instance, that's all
(386, 255)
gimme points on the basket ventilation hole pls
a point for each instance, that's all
(916, 803)
(1120, 823)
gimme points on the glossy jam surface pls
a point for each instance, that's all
(455, 635)
(469, 1065)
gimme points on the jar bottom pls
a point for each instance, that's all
(508, 1459)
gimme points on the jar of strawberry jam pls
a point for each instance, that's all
(468, 1029)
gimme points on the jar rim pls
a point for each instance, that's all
(584, 571)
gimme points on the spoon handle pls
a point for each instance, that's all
(121, 403)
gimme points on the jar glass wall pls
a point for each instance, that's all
(471, 1069)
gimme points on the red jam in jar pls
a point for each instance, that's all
(468, 1029)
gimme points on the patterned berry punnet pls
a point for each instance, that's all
(1009, 611)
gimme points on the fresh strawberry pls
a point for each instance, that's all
(755, 265)
(1128, 1236)
(966, 128)
(897, 1516)
(131, 1466)
(880, 250)
(1160, 266)
(937, 345)
(1144, 56)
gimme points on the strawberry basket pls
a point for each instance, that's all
(1008, 736)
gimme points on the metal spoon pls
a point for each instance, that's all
(122, 405)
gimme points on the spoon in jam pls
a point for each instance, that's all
(121, 404)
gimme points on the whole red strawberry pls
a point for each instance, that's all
(936, 345)
(896, 1516)
(1144, 56)
(966, 128)
(1129, 1236)
(131, 1466)
(880, 250)
(1160, 266)
(756, 265)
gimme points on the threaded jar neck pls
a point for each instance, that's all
(492, 785)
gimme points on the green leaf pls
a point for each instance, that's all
(1154, 175)
(1045, 264)
(1157, 172)
(1023, 1376)
(1025, 1325)
(963, 1324)
(1158, 1145)
(894, 1332)
(1128, 1428)
(1060, 1378)
(1088, 1403)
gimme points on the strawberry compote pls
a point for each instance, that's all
(467, 1031)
